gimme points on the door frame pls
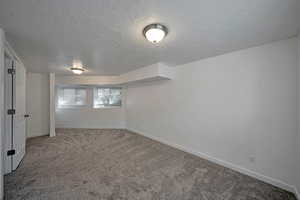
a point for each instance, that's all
(8, 52)
(9, 102)
(2, 103)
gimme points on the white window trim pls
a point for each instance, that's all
(108, 106)
(89, 98)
(72, 106)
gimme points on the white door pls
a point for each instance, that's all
(15, 118)
(20, 120)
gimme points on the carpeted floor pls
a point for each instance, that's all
(86, 164)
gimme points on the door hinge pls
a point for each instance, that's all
(11, 71)
(11, 152)
(11, 111)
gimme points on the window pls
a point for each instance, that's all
(107, 97)
(71, 97)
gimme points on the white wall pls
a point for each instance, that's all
(37, 104)
(298, 136)
(2, 67)
(88, 117)
(238, 108)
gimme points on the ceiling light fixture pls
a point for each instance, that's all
(77, 70)
(77, 67)
(155, 33)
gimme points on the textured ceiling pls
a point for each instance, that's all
(107, 34)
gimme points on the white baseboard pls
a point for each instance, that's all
(36, 135)
(90, 126)
(272, 181)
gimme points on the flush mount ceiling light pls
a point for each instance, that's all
(76, 70)
(77, 67)
(155, 32)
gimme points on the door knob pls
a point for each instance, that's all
(26, 116)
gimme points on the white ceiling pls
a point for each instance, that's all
(107, 34)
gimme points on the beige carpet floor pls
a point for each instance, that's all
(86, 164)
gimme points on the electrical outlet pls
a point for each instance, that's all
(252, 159)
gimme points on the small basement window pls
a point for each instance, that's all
(72, 97)
(107, 97)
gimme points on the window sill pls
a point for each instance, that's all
(72, 107)
(107, 107)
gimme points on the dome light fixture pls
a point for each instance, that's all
(76, 70)
(77, 67)
(155, 33)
